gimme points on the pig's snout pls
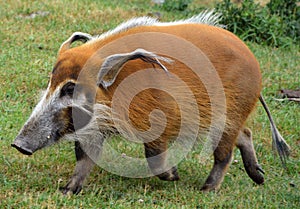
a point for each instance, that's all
(22, 147)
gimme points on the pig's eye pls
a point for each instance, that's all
(67, 89)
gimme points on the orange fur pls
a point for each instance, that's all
(235, 64)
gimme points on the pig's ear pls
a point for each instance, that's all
(113, 64)
(77, 36)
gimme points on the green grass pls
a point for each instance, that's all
(27, 54)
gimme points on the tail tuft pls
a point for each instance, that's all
(279, 144)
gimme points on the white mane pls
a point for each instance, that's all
(208, 17)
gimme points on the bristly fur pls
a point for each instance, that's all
(208, 17)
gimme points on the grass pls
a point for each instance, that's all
(27, 54)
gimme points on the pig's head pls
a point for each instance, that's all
(53, 117)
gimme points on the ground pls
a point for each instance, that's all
(28, 51)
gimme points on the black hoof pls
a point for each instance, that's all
(171, 175)
(66, 190)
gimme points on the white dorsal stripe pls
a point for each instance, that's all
(208, 17)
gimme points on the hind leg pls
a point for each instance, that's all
(217, 173)
(245, 145)
(222, 160)
(156, 152)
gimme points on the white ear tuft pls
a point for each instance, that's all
(113, 64)
(77, 36)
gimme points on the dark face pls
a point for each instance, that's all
(52, 118)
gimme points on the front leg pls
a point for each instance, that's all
(156, 152)
(83, 168)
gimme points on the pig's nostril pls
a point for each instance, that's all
(22, 149)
